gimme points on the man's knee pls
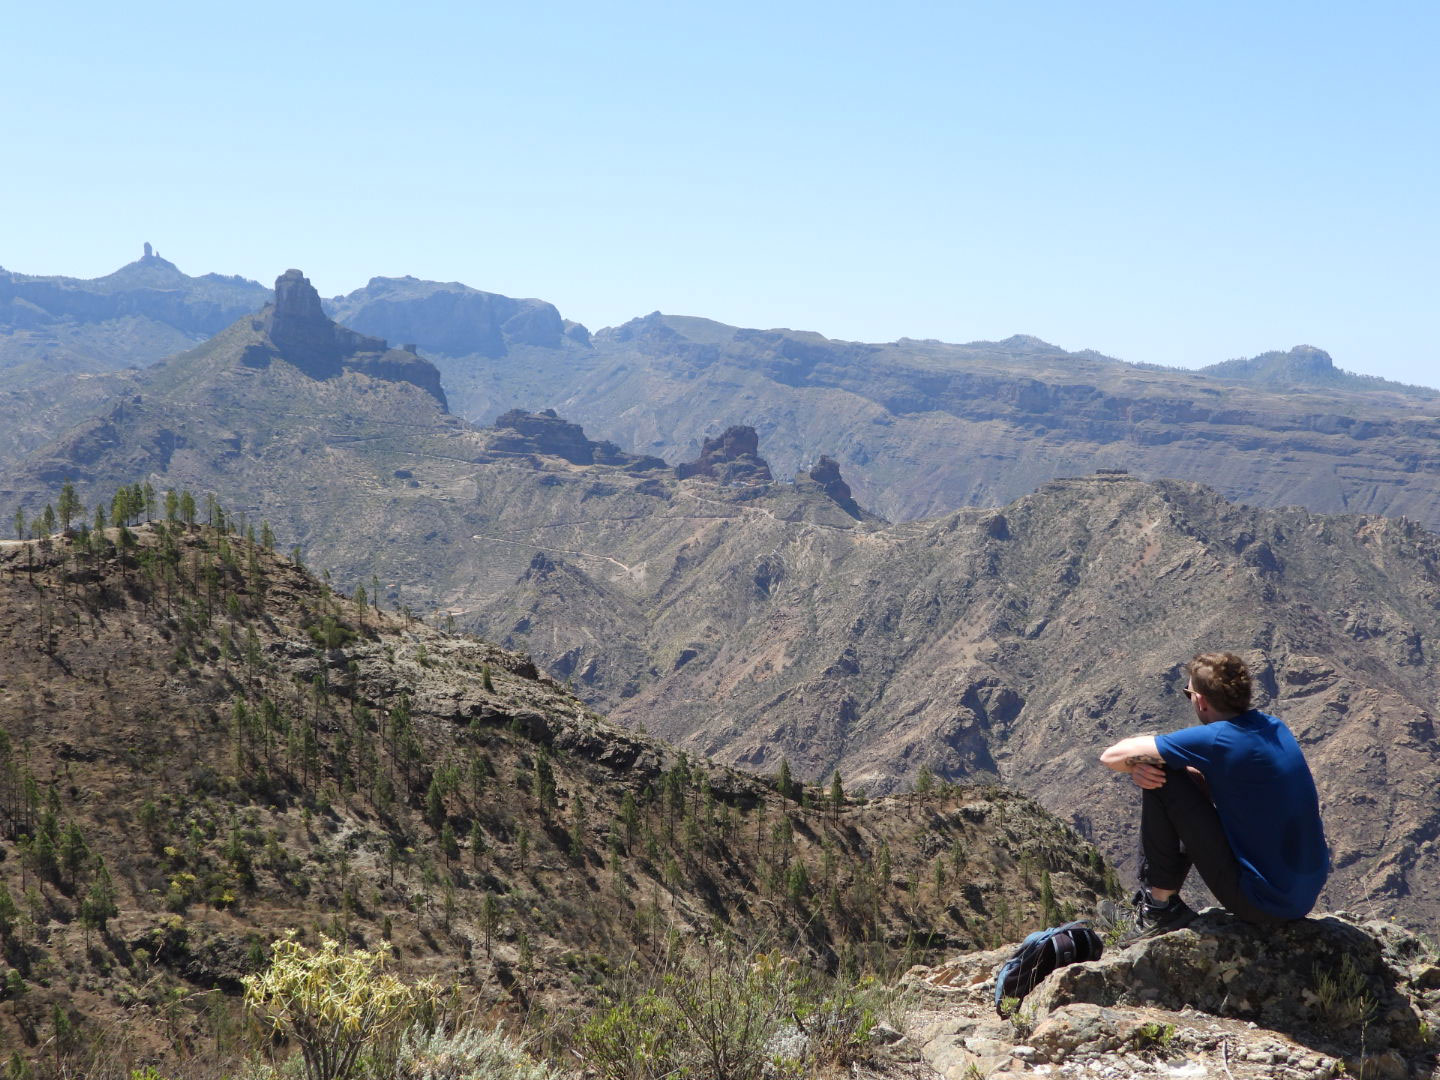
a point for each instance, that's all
(1181, 788)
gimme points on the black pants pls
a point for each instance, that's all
(1179, 827)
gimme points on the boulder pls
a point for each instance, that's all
(1312, 978)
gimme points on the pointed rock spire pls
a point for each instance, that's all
(296, 298)
(826, 473)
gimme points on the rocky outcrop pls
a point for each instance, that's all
(545, 433)
(825, 474)
(733, 457)
(1316, 998)
(301, 334)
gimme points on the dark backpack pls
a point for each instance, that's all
(1040, 954)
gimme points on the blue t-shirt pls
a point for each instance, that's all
(1267, 803)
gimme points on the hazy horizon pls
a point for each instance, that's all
(1162, 186)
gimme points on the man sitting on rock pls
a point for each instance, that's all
(1231, 796)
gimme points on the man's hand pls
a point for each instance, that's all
(1199, 778)
(1137, 756)
(1144, 774)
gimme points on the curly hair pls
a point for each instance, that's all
(1222, 679)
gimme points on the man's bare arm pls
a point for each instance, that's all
(1128, 753)
(1139, 757)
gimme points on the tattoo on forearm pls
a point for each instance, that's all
(1144, 759)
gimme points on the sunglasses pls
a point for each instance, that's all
(1191, 694)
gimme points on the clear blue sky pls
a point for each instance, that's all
(1178, 184)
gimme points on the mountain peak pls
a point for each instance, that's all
(1304, 365)
(150, 271)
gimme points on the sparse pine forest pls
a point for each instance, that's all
(203, 747)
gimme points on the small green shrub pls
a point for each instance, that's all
(1341, 996)
(1153, 1038)
(1021, 1020)
(716, 1009)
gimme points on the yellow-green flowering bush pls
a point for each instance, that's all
(338, 1005)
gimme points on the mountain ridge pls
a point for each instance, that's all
(749, 619)
(918, 427)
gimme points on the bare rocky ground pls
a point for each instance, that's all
(1324, 997)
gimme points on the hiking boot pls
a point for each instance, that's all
(1143, 918)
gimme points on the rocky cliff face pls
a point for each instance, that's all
(495, 353)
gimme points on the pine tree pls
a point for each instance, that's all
(837, 793)
(73, 852)
(489, 918)
(98, 907)
(924, 780)
(448, 844)
(8, 911)
(544, 780)
(1050, 911)
(630, 819)
(69, 506)
(477, 844)
(577, 828)
(784, 784)
(435, 804)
